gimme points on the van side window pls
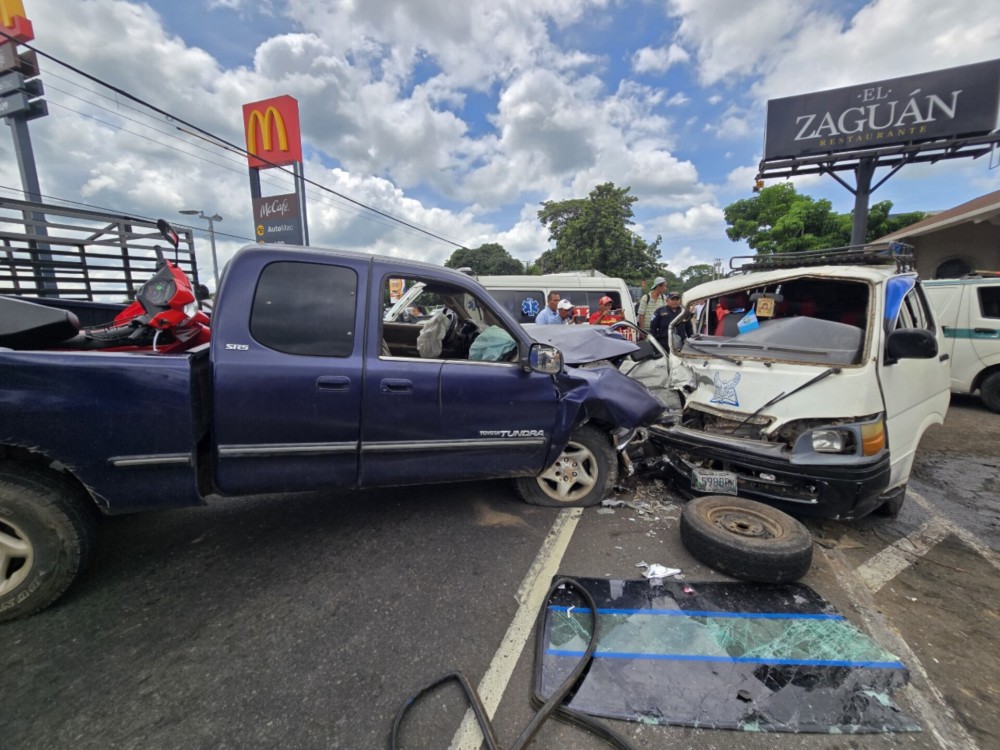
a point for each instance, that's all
(523, 304)
(305, 308)
(989, 301)
(913, 312)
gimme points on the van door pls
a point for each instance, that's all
(287, 382)
(984, 322)
(916, 392)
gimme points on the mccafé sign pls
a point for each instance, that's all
(14, 22)
(272, 129)
(948, 103)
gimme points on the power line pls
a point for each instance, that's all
(226, 143)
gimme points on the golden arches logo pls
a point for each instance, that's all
(262, 123)
(8, 10)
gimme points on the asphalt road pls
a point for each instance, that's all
(305, 622)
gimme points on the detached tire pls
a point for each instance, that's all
(47, 530)
(746, 539)
(989, 392)
(583, 474)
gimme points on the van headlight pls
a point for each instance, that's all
(832, 441)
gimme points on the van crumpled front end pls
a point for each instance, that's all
(809, 467)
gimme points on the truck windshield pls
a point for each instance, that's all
(815, 320)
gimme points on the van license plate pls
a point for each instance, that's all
(715, 482)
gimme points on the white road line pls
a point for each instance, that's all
(531, 595)
(964, 534)
(933, 710)
(897, 557)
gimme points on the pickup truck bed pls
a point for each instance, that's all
(129, 420)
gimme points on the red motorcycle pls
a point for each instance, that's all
(164, 317)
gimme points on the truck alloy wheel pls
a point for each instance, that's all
(746, 539)
(46, 533)
(582, 475)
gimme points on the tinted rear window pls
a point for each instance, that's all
(305, 308)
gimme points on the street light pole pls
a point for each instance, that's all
(211, 237)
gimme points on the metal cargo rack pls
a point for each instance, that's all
(61, 252)
(872, 254)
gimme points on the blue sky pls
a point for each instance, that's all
(462, 116)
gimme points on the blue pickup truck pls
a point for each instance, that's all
(305, 384)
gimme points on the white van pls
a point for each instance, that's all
(809, 383)
(525, 296)
(968, 310)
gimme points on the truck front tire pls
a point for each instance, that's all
(583, 474)
(47, 530)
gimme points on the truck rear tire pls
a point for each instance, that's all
(583, 474)
(746, 539)
(47, 531)
(989, 391)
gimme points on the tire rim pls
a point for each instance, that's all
(744, 523)
(16, 556)
(572, 476)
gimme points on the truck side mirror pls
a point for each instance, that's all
(545, 358)
(910, 343)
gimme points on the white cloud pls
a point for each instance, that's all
(658, 59)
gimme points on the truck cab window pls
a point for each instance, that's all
(305, 308)
(436, 320)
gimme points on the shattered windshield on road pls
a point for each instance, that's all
(756, 657)
(811, 319)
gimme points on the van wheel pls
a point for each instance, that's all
(746, 539)
(989, 391)
(892, 502)
(583, 474)
(47, 530)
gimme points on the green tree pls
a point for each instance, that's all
(778, 219)
(594, 233)
(486, 260)
(698, 274)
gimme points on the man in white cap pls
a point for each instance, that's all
(650, 303)
(556, 312)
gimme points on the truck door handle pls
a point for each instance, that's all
(395, 385)
(943, 358)
(333, 383)
(985, 330)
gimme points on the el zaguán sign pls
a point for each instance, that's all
(948, 103)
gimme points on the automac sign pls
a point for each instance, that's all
(944, 104)
(272, 128)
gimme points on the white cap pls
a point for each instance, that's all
(564, 304)
(659, 280)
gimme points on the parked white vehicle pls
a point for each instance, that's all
(968, 311)
(525, 296)
(810, 382)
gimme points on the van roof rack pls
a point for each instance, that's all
(871, 254)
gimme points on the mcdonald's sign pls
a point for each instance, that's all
(272, 128)
(14, 22)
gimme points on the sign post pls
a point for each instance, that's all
(945, 114)
(20, 92)
(274, 139)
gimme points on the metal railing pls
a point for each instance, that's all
(81, 254)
